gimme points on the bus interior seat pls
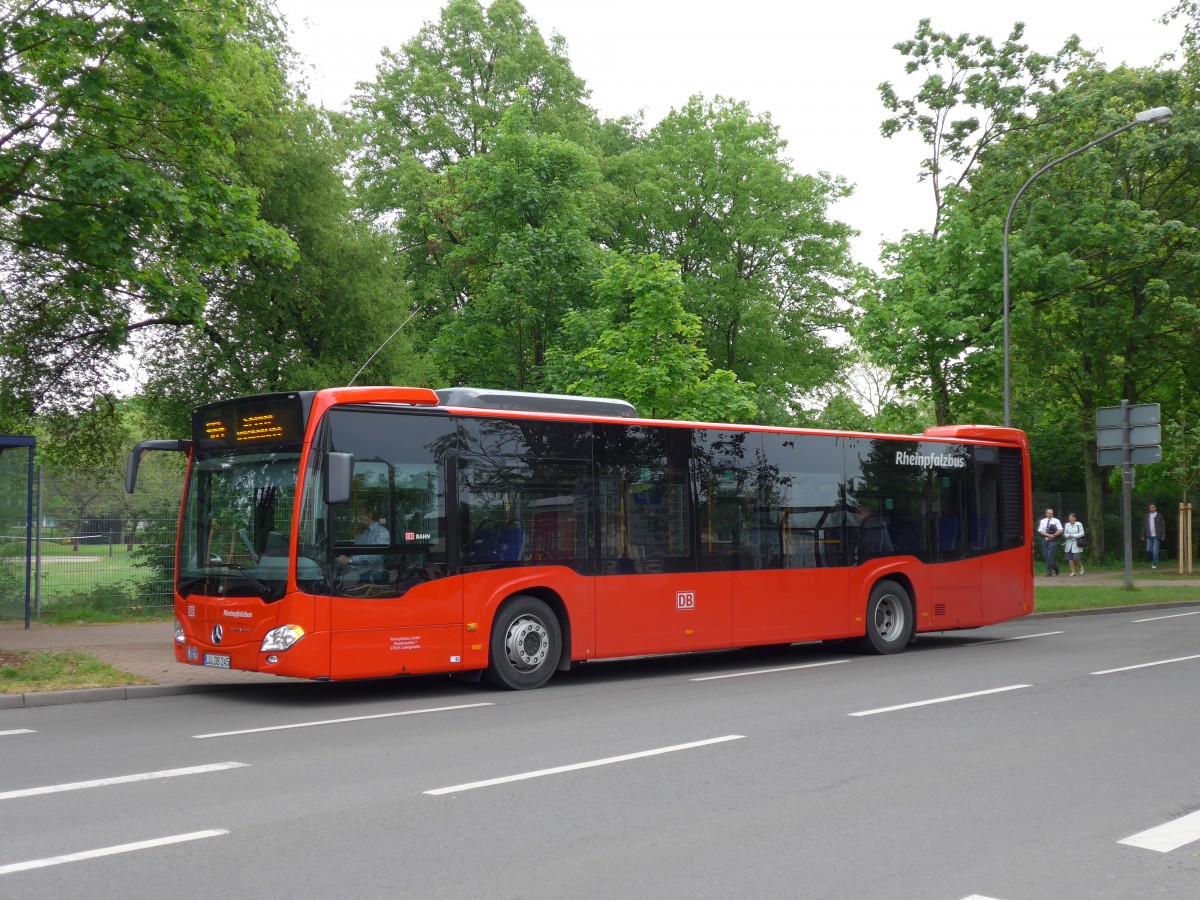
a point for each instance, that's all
(948, 532)
(509, 545)
(483, 544)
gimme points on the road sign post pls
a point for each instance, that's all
(1126, 436)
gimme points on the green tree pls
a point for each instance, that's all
(511, 228)
(642, 345)
(309, 324)
(763, 265)
(928, 316)
(117, 190)
(1106, 258)
(470, 231)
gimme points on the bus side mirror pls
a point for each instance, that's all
(339, 472)
(141, 449)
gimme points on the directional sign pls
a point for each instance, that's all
(1139, 414)
(1137, 456)
(1145, 414)
(1145, 435)
(1128, 434)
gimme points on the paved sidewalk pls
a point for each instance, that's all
(143, 648)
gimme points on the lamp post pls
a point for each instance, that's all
(1146, 117)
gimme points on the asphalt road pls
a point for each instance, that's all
(1006, 763)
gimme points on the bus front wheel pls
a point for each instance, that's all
(889, 619)
(526, 643)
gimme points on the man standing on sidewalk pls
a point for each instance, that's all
(1154, 532)
(1051, 530)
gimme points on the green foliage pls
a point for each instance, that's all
(640, 344)
(268, 326)
(117, 192)
(973, 93)
(936, 308)
(511, 230)
(763, 266)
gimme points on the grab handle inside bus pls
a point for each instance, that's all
(339, 473)
(141, 449)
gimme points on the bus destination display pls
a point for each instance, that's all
(242, 423)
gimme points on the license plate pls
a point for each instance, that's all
(216, 660)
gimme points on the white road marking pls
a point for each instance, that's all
(978, 897)
(871, 712)
(1161, 662)
(769, 671)
(391, 715)
(1172, 616)
(1021, 637)
(18, 731)
(110, 851)
(121, 779)
(1168, 836)
(558, 770)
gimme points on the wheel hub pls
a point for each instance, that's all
(527, 643)
(889, 618)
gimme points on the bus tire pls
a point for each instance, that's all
(526, 644)
(889, 619)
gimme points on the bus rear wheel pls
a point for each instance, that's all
(526, 644)
(890, 619)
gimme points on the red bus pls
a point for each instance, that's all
(382, 531)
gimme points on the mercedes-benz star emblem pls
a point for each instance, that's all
(217, 633)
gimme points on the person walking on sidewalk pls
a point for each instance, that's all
(1072, 532)
(1051, 530)
(1154, 532)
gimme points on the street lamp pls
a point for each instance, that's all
(1145, 117)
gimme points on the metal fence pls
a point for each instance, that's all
(1112, 523)
(98, 548)
(16, 513)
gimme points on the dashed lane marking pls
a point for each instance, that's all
(885, 709)
(121, 779)
(110, 851)
(391, 715)
(574, 767)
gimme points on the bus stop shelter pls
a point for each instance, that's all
(16, 525)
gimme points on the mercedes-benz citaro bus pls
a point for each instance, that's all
(382, 531)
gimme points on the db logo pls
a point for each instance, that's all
(685, 600)
(191, 611)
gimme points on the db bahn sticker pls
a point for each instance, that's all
(191, 610)
(685, 599)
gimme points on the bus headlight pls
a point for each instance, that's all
(180, 637)
(281, 638)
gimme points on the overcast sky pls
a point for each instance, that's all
(814, 67)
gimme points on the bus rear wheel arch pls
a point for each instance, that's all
(890, 618)
(526, 644)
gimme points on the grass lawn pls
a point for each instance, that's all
(58, 670)
(1063, 594)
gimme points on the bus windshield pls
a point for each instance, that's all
(237, 523)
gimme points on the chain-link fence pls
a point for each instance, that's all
(1113, 523)
(97, 548)
(16, 519)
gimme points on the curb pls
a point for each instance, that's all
(1134, 607)
(131, 692)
